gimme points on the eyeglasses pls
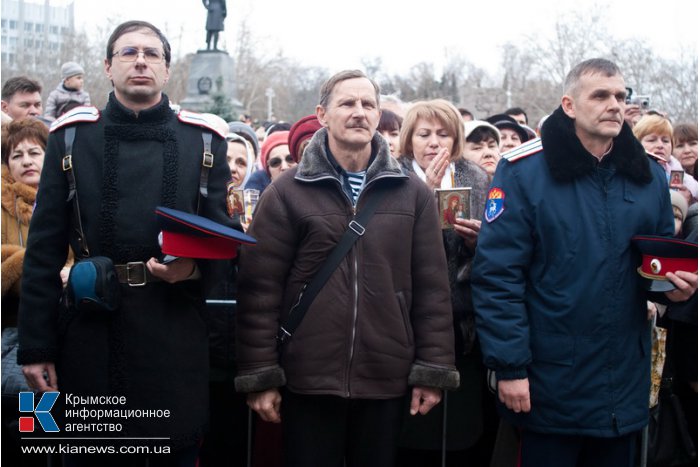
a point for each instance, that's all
(131, 54)
(277, 161)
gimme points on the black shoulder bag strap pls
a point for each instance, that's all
(356, 229)
(67, 165)
(207, 163)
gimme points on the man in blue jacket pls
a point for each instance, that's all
(560, 308)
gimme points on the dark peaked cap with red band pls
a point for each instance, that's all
(190, 236)
(664, 254)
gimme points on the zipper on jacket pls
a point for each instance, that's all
(353, 207)
(356, 293)
(609, 316)
(356, 288)
(356, 297)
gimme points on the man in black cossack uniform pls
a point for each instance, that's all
(127, 159)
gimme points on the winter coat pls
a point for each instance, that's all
(459, 258)
(558, 299)
(153, 349)
(382, 321)
(61, 96)
(259, 180)
(17, 206)
(216, 14)
(464, 417)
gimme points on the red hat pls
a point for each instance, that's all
(664, 254)
(278, 138)
(190, 236)
(302, 130)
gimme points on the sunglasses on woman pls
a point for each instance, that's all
(277, 161)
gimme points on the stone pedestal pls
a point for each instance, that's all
(211, 72)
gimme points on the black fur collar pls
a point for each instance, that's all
(124, 125)
(156, 114)
(568, 159)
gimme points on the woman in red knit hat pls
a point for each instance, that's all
(301, 133)
(275, 155)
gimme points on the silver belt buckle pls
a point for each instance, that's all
(128, 274)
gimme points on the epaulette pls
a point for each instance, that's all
(657, 158)
(197, 119)
(85, 113)
(526, 149)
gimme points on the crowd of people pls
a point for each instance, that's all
(368, 329)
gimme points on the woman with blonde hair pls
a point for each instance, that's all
(432, 141)
(656, 135)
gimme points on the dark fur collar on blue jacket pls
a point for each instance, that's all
(567, 159)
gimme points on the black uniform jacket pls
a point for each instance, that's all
(153, 349)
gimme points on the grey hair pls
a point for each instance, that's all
(588, 67)
(328, 86)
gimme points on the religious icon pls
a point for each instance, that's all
(676, 177)
(453, 204)
(234, 202)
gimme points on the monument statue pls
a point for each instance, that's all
(216, 13)
(211, 76)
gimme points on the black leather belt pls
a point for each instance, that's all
(135, 273)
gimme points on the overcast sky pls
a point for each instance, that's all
(337, 35)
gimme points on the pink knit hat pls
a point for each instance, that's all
(278, 138)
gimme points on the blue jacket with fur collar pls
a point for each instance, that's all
(558, 299)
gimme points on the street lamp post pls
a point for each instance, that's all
(270, 93)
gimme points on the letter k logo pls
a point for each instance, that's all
(42, 411)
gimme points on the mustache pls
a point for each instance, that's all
(362, 125)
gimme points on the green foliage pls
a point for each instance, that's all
(222, 106)
(221, 103)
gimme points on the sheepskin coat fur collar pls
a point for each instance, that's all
(17, 197)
